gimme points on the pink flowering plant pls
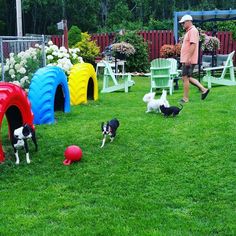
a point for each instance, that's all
(210, 43)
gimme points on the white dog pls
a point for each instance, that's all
(154, 104)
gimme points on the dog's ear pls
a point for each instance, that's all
(26, 130)
(102, 124)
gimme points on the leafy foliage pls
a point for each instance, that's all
(139, 60)
(164, 24)
(74, 35)
(88, 49)
(221, 26)
(101, 15)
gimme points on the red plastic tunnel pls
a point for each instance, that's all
(15, 105)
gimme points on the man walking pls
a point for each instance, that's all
(189, 57)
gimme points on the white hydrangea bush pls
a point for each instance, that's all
(62, 57)
(19, 68)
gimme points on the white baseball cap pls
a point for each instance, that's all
(185, 18)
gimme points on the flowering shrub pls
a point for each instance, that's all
(177, 49)
(123, 48)
(62, 57)
(168, 50)
(19, 68)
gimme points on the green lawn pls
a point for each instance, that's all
(161, 176)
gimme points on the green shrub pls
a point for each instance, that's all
(88, 49)
(74, 36)
(228, 26)
(139, 60)
(164, 24)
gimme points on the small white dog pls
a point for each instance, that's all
(154, 104)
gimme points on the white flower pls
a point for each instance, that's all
(54, 47)
(22, 70)
(50, 43)
(23, 62)
(11, 54)
(63, 49)
(15, 82)
(49, 57)
(55, 53)
(17, 66)
(60, 55)
(23, 80)
(36, 45)
(6, 67)
(12, 60)
(13, 76)
(11, 72)
(80, 59)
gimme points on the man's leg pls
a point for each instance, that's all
(198, 84)
(186, 88)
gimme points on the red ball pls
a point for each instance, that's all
(72, 153)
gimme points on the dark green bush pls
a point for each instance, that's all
(165, 24)
(74, 36)
(139, 60)
(221, 26)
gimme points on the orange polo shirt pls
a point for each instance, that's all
(191, 36)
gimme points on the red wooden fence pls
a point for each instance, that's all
(57, 40)
(157, 38)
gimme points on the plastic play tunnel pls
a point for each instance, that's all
(15, 105)
(48, 93)
(82, 83)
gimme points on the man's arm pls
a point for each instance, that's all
(190, 53)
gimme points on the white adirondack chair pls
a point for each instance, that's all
(119, 80)
(209, 78)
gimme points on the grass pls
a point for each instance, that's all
(161, 176)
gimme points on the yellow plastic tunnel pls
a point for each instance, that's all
(83, 84)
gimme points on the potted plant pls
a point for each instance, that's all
(122, 50)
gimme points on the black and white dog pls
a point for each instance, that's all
(19, 140)
(109, 129)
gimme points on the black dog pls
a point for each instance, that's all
(19, 140)
(109, 129)
(173, 110)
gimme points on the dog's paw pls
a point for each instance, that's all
(28, 161)
(17, 162)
